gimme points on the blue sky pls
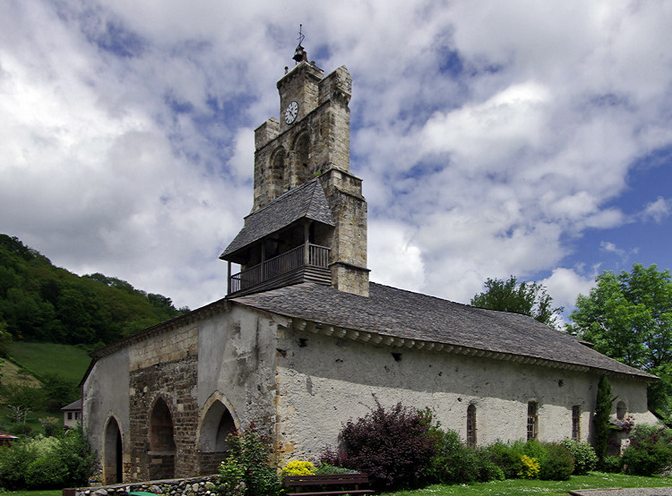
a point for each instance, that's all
(494, 138)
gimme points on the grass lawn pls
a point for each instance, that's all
(55, 492)
(67, 361)
(511, 487)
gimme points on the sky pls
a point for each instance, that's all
(521, 138)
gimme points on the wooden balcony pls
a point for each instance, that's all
(304, 263)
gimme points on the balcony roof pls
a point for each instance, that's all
(307, 201)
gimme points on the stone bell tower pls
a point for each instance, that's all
(308, 219)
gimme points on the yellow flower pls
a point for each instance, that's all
(530, 469)
(298, 467)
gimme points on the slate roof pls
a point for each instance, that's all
(306, 201)
(403, 314)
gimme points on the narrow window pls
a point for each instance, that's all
(576, 422)
(532, 420)
(69, 415)
(471, 426)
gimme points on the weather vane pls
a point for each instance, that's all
(300, 54)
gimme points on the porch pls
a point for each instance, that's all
(307, 262)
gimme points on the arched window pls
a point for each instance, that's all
(161, 442)
(471, 425)
(161, 428)
(304, 171)
(277, 172)
(621, 410)
(217, 424)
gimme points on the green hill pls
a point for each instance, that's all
(40, 302)
(45, 359)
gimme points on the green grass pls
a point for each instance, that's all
(54, 492)
(67, 361)
(512, 487)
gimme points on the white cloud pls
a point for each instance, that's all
(490, 135)
(565, 285)
(658, 210)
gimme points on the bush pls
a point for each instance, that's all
(584, 455)
(612, 464)
(557, 463)
(47, 463)
(391, 446)
(13, 463)
(455, 463)
(507, 456)
(650, 450)
(248, 469)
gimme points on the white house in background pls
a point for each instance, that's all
(72, 413)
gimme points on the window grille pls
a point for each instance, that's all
(471, 426)
(576, 422)
(532, 420)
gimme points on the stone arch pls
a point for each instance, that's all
(277, 171)
(301, 155)
(161, 441)
(217, 421)
(113, 468)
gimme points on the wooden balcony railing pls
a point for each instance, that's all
(301, 256)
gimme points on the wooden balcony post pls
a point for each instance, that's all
(306, 244)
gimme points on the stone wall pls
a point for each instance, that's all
(195, 486)
(174, 383)
(324, 381)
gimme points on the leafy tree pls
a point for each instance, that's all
(628, 316)
(526, 298)
(20, 399)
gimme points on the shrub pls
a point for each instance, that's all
(13, 463)
(248, 469)
(530, 467)
(391, 446)
(46, 472)
(611, 464)
(507, 457)
(584, 455)
(327, 469)
(455, 463)
(649, 452)
(47, 463)
(557, 463)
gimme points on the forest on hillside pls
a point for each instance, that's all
(44, 303)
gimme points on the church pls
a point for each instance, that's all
(304, 342)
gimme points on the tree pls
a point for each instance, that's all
(628, 316)
(603, 406)
(526, 298)
(21, 399)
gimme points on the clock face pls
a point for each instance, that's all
(291, 112)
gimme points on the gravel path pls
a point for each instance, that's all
(644, 491)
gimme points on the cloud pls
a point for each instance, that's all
(565, 285)
(490, 136)
(658, 210)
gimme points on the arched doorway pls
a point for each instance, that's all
(113, 453)
(161, 442)
(215, 427)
